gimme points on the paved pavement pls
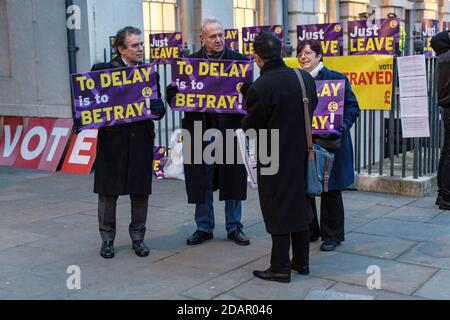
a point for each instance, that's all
(48, 222)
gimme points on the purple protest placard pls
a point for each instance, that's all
(378, 36)
(210, 85)
(430, 28)
(329, 114)
(112, 47)
(249, 34)
(330, 35)
(109, 97)
(159, 159)
(232, 39)
(165, 47)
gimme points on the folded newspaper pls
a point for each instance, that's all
(247, 150)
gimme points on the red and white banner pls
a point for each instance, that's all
(39, 143)
(82, 152)
(11, 132)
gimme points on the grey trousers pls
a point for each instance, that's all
(107, 216)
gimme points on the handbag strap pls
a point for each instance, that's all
(309, 139)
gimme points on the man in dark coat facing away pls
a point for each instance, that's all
(203, 179)
(125, 156)
(441, 44)
(275, 102)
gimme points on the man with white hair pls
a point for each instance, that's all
(202, 179)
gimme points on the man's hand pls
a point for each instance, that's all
(245, 87)
(171, 92)
(157, 106)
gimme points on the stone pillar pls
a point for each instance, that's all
(394, 6)
(349, 9)
(276, 12)
(305, 12)
(222, 10)
(426, 9)
(444, 11)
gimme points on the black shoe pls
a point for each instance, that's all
(107, 250)
(140, 248)
(444, 205)
(438, 200)
(328, 246)
(300, 269)
(271, 276)
(198, 237)
(239, 237)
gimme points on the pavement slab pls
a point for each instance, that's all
(48, 222)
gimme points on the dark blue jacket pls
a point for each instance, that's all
(343, 173)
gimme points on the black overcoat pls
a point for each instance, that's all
(274, 101)
(124, 153)
(229, 179)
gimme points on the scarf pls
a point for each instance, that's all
(314, 73)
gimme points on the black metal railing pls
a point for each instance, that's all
(379, 146)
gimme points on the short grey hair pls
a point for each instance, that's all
(207, 21)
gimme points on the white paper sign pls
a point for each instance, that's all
(410, 66)
(413, 96)
(415, 127)
(414, 107)
(413, 87)
(248, 155)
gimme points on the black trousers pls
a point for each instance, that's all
(443, 175)
(280, 261)
(331, 227)
(107, 216)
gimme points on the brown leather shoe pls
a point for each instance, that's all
(271, 276)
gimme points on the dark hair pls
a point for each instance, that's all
(121, 36)
(315, 46)
(267, 46)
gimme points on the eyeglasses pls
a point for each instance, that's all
(305, 53)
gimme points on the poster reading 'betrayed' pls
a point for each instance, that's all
(373, 36)
(210, 85)
(430, 28)
(165, 47)
(370, 78)
(330, 35)
(329, 113)
(115, 96)
(249, 34)
(232, 39)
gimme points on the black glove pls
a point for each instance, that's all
(245, 87)
(76, 124)
(171, 92)
(157, 108)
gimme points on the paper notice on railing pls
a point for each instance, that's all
(415, 127)
(413, 87)
(413, 96)
(414, 107)
(411, 66)
(247, 150)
